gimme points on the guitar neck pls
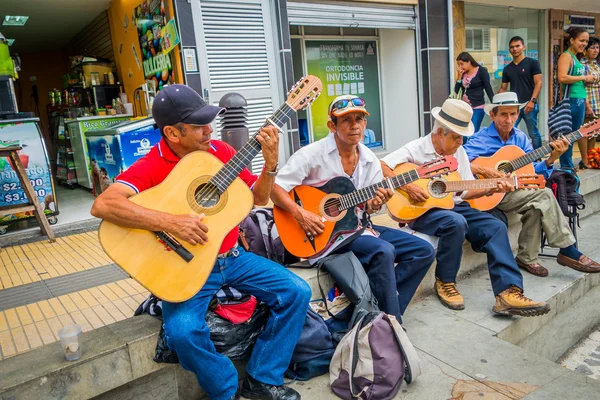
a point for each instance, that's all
(461, 186)
(539, 153)
(360, 196)
(242, 158)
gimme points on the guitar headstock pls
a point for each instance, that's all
(304, 92)
(437, 167)
(590, 129)
(530, 182)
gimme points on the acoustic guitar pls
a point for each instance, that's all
(512, 159)
(200, 184)
(402, 209)
(336, 202)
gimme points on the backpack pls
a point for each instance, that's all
(258, 234)
(565, 186)
(372, 360)
(314, 350)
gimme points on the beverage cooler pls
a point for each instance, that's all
(115, 149)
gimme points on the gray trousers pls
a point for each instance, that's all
(538, 208)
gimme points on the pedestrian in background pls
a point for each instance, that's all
(525, 77)
(571, 73)
(473, 80)
(592, 106)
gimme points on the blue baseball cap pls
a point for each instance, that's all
(181, 103)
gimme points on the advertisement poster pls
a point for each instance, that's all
(110, 155)
(34, 160)
(345, 67)
(150, 19)
(170, 36)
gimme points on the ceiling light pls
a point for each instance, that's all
(10, 41)
(15, 20)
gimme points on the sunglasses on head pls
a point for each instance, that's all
(341, 104)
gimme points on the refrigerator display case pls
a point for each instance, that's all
(34, 157)
(77, 129)
(113, 150)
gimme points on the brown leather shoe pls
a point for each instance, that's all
(449, 295)
(513, 302)
(536, 269)
(584, 264)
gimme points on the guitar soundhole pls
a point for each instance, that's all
(438, 188)
(332, 208)
(207, 195)
(505, 167)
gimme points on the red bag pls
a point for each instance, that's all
(237, 313)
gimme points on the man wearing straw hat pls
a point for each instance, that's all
(486, 233)
(538, 208)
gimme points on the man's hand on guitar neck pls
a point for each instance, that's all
(383, 196)
(559, 146)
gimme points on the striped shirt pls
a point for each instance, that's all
(593, 88)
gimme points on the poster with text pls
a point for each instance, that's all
(345, 67)
(150, 19)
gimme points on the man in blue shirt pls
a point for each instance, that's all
(537, 207)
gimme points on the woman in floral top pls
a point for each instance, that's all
(592, 104)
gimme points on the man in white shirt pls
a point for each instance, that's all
(486, 233)
(341, 153)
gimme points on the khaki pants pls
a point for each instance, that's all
(538, 208)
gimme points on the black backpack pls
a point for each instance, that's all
(565, 186)
(258, 234)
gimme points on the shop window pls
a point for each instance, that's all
(478, 39)
(294, 30)
(322, 30)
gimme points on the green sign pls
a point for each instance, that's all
(345, 67)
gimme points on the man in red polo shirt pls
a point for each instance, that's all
(184, 119)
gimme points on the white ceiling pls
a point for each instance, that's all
(52, 23)
(574, 5)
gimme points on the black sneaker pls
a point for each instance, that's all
(255, 390)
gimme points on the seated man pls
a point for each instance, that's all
(184, 119)
(342, 154)
(538, 208)
(486, 233)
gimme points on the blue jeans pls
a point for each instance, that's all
(286, 294)
(392, 287)
(531, 120)
(486, 234)
(477, 118)
(577, 115)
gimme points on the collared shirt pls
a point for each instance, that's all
(153, 168)
(593, 88)
(487, 142)
(421, 151)
(317, 163)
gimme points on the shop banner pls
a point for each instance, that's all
(150, 19)
(345, 67)
(170, 36)
(34, 160)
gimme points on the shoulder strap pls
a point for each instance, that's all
(411, 358)
(568, 87)
(368, 318)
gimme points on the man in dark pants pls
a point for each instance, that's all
(525, 77)
(486, 233)
(341, 153)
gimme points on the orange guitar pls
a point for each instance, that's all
(402, 209)
(336, 202)
(512, 159)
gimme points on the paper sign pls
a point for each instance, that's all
(191, 62)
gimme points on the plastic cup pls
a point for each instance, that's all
(128, 108)
(70, 339)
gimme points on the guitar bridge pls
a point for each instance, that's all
(173, 244)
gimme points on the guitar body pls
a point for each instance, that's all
(147, 260)
(402, 209)
(316, 200)
(503, 155)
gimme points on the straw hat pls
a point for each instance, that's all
(504, 99)
(455, 115)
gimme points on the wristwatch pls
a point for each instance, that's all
(534, 100)
(272, 173)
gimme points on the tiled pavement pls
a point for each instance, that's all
(33, 325)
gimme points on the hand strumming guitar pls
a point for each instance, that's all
(311, 223)
(416, 194)
(487, 173)
(188, 227)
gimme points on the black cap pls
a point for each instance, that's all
(181, 103)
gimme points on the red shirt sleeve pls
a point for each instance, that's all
(228, 152)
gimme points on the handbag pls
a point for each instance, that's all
(560, 119)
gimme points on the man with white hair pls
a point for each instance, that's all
(486, 233)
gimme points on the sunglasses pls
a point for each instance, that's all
(344, 103)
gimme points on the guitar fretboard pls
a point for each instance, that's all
(461, 186)
(536, 154)
(360, 196)
(244, 156)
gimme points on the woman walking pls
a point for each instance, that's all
(473, 80)
(571, 73)
(592, 105)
